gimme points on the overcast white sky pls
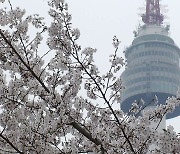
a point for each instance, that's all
(100, 20)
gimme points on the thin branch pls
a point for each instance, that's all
(10, 5)
(45, 54)
(24, 48)
(35, 38)
(107, 86)
(10, 143)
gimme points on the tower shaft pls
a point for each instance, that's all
(153, 15)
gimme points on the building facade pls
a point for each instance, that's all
(153, 68)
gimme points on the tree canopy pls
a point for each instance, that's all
(53, 106)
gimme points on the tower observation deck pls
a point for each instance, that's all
(152, 63)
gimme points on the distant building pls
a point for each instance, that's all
(152, 62)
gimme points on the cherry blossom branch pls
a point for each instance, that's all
(20, 58)
(107, 102)
(74, 124)
(10, 143)
(88, 135)
(99, 88)
(107, 86)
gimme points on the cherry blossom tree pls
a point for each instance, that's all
(65, 105)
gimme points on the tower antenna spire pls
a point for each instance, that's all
(153, 15)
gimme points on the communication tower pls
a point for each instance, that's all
(152, 62)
